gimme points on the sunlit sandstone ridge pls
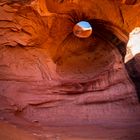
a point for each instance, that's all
(51, 77)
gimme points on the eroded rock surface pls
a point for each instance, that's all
(50, 76)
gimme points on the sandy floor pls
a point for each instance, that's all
(103, 131)
(120, 128)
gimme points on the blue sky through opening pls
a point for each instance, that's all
(84, 24)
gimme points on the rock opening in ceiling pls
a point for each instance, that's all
(82, 29)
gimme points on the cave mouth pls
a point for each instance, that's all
(132, 58)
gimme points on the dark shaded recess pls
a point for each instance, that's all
(134, 74)
(105, 30)
(130, 2)
(17, 1)
(60, 1)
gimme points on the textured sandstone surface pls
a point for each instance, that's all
(48, 76)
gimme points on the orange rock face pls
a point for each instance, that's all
(51, 77)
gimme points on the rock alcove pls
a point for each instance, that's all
(53, 74)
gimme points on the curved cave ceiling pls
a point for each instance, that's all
(88, 55)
